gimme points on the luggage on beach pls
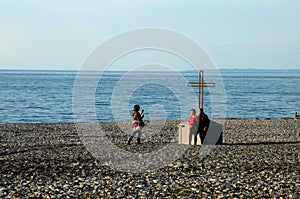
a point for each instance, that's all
(186, 136)
(214, 134)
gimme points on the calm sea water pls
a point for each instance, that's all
(48, 96)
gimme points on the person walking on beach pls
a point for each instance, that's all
(193, 123)
(137, 124)
(203, 126)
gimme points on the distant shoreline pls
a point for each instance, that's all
(220, 69)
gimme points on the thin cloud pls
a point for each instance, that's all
(246, 42)
(265, 3)
(84, 7)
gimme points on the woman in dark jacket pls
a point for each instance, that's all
(137, 124)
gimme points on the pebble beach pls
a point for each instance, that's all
(257, 159)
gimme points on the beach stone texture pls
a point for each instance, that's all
(257, 159)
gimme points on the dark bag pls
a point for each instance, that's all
(142, 124)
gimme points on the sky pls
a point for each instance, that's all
(60, 34)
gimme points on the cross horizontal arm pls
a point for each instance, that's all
(201, 84)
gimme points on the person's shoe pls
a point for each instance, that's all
(129, 140)
(139, 141)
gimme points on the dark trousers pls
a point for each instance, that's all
(202, 137)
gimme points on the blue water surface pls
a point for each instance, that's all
(47, 96)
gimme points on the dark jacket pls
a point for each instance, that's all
(203, 122)
(138, 115)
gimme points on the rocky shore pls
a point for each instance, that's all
(258, 159)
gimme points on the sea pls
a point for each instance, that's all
(39, 96)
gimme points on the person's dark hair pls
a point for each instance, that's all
(194, 111)
(136, 107)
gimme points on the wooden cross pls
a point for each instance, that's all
(201, 84)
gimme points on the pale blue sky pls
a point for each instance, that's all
(60, 34)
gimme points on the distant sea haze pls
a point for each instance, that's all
(47, 96)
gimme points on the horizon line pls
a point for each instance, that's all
(124, 70)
